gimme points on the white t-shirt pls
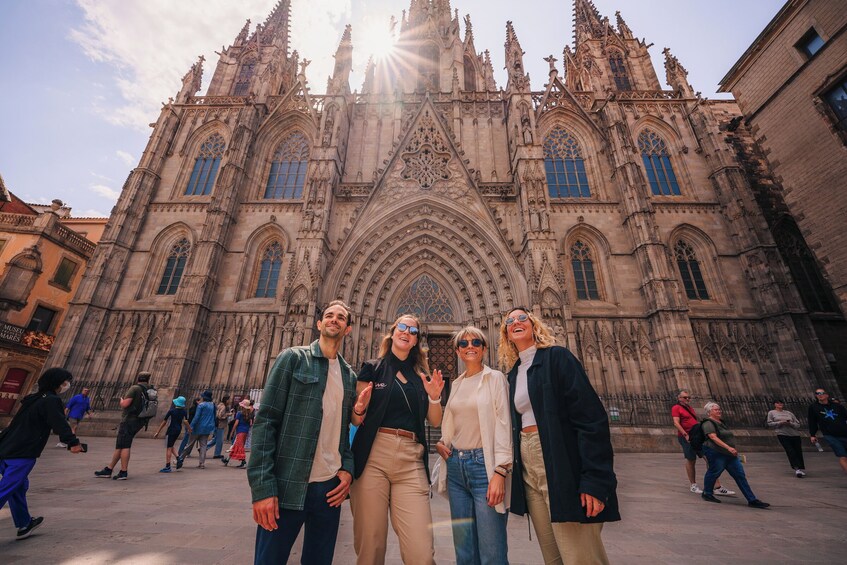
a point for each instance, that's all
(465, 409)
(522, 403)
(327, 460)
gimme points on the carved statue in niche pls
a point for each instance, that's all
(329, 125)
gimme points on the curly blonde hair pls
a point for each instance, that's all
(417, 356)
(507, 352)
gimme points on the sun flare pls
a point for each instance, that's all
(378, 41)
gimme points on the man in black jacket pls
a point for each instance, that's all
(24, 440)
(831, 418)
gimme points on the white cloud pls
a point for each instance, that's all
(105, 191)
(151, 44)
(91, 213)
(125, 157)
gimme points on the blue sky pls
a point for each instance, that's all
(82, 79)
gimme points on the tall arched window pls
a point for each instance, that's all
(689, 270)
(657, 164)
(269, 271)
(804, 269)
(564, 165)
(288, 170)
(425, 299)
(428, 64)
(174, 267)
(470, 74)
(245, 74)
(619, 72)
(583, 272)
(206, 166)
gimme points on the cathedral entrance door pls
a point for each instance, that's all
(442, 356)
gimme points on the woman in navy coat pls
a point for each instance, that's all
(563, 470)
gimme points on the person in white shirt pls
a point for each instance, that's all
(476, 443)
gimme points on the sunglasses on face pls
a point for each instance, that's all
(412, 329)
(518, 318)
(819, 393)
(463, 343)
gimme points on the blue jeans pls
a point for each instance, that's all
(321, 521)
(218, 441)
(13, 487)
(183, 444)
(479, 531)
(718, 462)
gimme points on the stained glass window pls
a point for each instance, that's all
(564, 166)
(657, 164)
(425, 299)
(583, 272)
(836, 98)
(689, 270)
(174, 267)
(269, 271)
(619, 72)
(245, 74)
(288, 170)
(206, 166)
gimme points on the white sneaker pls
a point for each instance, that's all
(60, 444)
(723, 491)
(800, 473)
(695, 489)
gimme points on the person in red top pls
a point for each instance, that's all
(684, 418)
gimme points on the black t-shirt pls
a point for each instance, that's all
(402, 410)
(177, 415)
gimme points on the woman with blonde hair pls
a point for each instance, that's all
(390, 449)
(563, 471)
(476, 443)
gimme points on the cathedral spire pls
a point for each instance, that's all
(468, 30)
(676, 75)
(518, 80)
(488, 73)
(191, 81)
(339, 82)
(242, 35)
(276, 27)
(370, 71)
(623, 30)
(587, 24)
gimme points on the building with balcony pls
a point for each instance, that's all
(41, 263)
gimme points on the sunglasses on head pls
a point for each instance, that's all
(412, 329)
(518, 318)
(463, 343)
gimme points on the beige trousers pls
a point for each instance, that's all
(394, 479)
(571, 543)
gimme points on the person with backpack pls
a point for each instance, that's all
(23, 441)
(202, 426)
(720, 452)
(139, 405)
(684, 419)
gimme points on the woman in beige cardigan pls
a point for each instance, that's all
(476, 443)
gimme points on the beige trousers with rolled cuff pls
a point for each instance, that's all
(569, 543)
(394, 479)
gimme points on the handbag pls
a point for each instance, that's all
(438, 476)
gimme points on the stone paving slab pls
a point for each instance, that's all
(204, 515)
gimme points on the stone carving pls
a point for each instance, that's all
(427, 156)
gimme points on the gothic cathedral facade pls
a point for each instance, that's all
(613, 208)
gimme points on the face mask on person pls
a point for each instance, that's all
(64, 388)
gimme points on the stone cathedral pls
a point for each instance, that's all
(618, 210)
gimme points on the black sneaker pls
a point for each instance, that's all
(711, 498)
(106, 473)
(179, 462)
(757, 504)
(24, 533)
(121, 476)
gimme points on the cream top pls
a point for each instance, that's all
(465, 410)
(327, 459)
(522, 403)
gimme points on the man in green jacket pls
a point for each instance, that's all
(301, 465)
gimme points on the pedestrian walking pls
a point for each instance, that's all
(220, 427)
(131, 424)
(301, 466)
(174, 419)
(23, 441)
(563, 460)
(77, 408)
(390, 448)
(201, 427)
(719, 449)
(684, 418)
(476, 443)
(243, 423)
(787, 428)
(187, 435)
(830, 418)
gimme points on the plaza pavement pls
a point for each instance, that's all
(204, 516)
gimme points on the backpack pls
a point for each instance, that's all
(149, 403)
(696, 437)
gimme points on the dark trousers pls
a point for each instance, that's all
(793, 450)
(321, 521)
(720, 462)
(13, 487)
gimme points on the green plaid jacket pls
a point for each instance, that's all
(285, 432)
